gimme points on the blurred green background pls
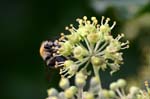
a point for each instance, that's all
(25, 24)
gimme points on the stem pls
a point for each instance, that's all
(86, 59)
(80, 93)
(88, 45)
(104, 45)
(119, 93)
(84, 68)
(123, 92)
(97, 45)
(97, 75)
(101, 53)
(96, 72)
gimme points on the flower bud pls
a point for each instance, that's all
(74, 38)
(52, 92)
(114, 46)
(94, 81)
(93, 37)
(80, 80)
(68, 63)
(88, 95)
(111, 94)
(96, 61)
(64, 83)
(79, 52)
(121, 83)
(69, 93)
(105, 93)
(82, 31)
(61, 95)
(52, 97)
(80, 75)
(133, 90)
(105, 28)
(113, 86)
(73, 88)
(65, 48)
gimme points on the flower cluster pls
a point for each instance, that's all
(117, 90)
(77, 91)
(134, 92)
(90, 43)
(144, 94)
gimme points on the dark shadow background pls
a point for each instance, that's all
(24, 24)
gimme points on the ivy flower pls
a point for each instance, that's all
(89, 43)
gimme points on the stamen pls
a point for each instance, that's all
(65, 74)
(102, 20)
(98, 26)
(73, 29)
(95, 21)
(119, 37)
(107, 20)
(85, 18)
(71, 25)
(63, 71)
(88, 22)
(125, 47)
(62, 34)
(80, 21)
(127, 42)
(66, 28)
(113, 25)
(146, 83)
(59, 65)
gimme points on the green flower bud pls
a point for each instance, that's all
(65, 48)
(74, 89)
(80, 75)
(105, 93)
(139, 96)
(94, 81)
(68, 63)
(88, 95)
(111, 93)
(105, 28)
(52, 92)
(80, 80)
(114, 46)
(93, 37)
(121, 83)
(79, 52)
(113, 86)
(96, 61)
(64, 83)
(69, 93)
(82, 31)
(74, 38)
(52, 97)
(133, 90)
(72, 70)
(61, 95)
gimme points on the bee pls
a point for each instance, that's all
(48, 52)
